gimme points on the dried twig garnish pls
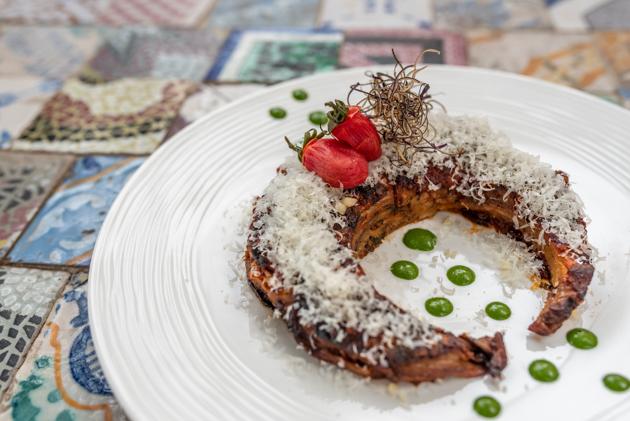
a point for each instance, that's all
(399, 107)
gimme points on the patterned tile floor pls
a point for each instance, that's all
(89, 89)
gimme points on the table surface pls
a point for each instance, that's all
(89, 89)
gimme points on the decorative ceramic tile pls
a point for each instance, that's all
(65, 229)
(181, 13)
(209, 98)
(26, 296)
(581, 15)
(371, 47)
(21, 98)
(124, 116)
(569, 59)
(53, 53)
(243, 14)
(25, 180)
(273, 56)
(61, 378)
(376, 13)
(616, 48)
(504, 14)
(153, 52)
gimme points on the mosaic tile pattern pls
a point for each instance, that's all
(243, 14)
(185, 13)
(124, 116)
(21, 98)
(26, 296)
(207, 99)
(52, 53)
(394, 14)
(504, 14)
(61, 376)
(568, 59)
(615, 46)
(25, 180)
(66, 228)
(153, 52)
(274, 56)
(373, 47)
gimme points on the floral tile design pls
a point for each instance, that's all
(568, 59)
(496, 14)
(244, 14)
(153, 52)
(25, 180)
(52, 53)
(207, 99)
(21, 98)
(65, 229)
(26, 296)
(125, 116)
(582, 15)
(373, 47)
(274, 56)
(61, 379)
(616, 48)
(185, 13)
(394, 14)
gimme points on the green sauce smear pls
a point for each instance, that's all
(487, 406)
(543, 371)
(318, 117)
(616, 382)
(299, 95)
(405, 269)
(461, 275)
(438, 306)
(420, 239)
(582, 338)
(498, 311)
(277, 112)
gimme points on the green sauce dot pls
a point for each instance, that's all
(582, 338)
(420, 239)
(461, 275)
(300, 94)
(616, 382)
(405, 269)
(277, 112)
(318, 117)
(487, 406)
(543, 371)
(498, 311)
(438, 306)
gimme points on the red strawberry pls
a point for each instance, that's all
(336, 163)
(354, 128)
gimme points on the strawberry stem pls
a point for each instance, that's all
(309, 136)
(338, 112)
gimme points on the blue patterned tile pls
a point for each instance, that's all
(61, 377)
(245, 14)
(65, 229)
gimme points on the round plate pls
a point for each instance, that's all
(179, 338)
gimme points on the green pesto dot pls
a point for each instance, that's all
(420, 239)
(582, 338)
(616, 382)
(300, 94)
(487, 406)
(277, 112)
(438, 306)
(461, 275)
(318, 118)
(498, 311)
(544, 371)
(405, 269)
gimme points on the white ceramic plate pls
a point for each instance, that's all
(177, 342)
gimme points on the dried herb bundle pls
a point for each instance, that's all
(399, 106)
